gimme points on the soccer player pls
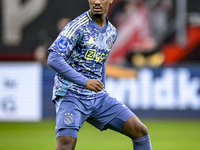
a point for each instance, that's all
(78, 56)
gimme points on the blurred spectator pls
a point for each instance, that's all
(46, 38)
(40, 54)
(162, 19)
(62, 23)
(135, 42)
(188, 27)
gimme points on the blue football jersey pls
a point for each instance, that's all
(85, 46)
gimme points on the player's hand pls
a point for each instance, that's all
(94, 85)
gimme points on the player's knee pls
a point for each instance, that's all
(144, 130)
(134, 128)
(139, 128)
(140, 131)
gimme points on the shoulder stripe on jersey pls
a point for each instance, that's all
(68, 32)
(78, 27)
(74, 25)
(111, 24)
(89, 15)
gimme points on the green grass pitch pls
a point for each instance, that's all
(168, 134)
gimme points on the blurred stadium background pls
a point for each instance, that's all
(154, 69)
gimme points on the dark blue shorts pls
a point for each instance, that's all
(103, 112)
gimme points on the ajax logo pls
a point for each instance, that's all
(109, 42)
(68, 119)
(62, 44)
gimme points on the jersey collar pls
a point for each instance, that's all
(101, 29)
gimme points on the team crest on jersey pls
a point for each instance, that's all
(62, 44)
(68, 119)
(109, 42)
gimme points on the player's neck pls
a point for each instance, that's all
(100, 22)
(99, 19)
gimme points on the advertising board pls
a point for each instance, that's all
(20, 92)
(162, 89)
